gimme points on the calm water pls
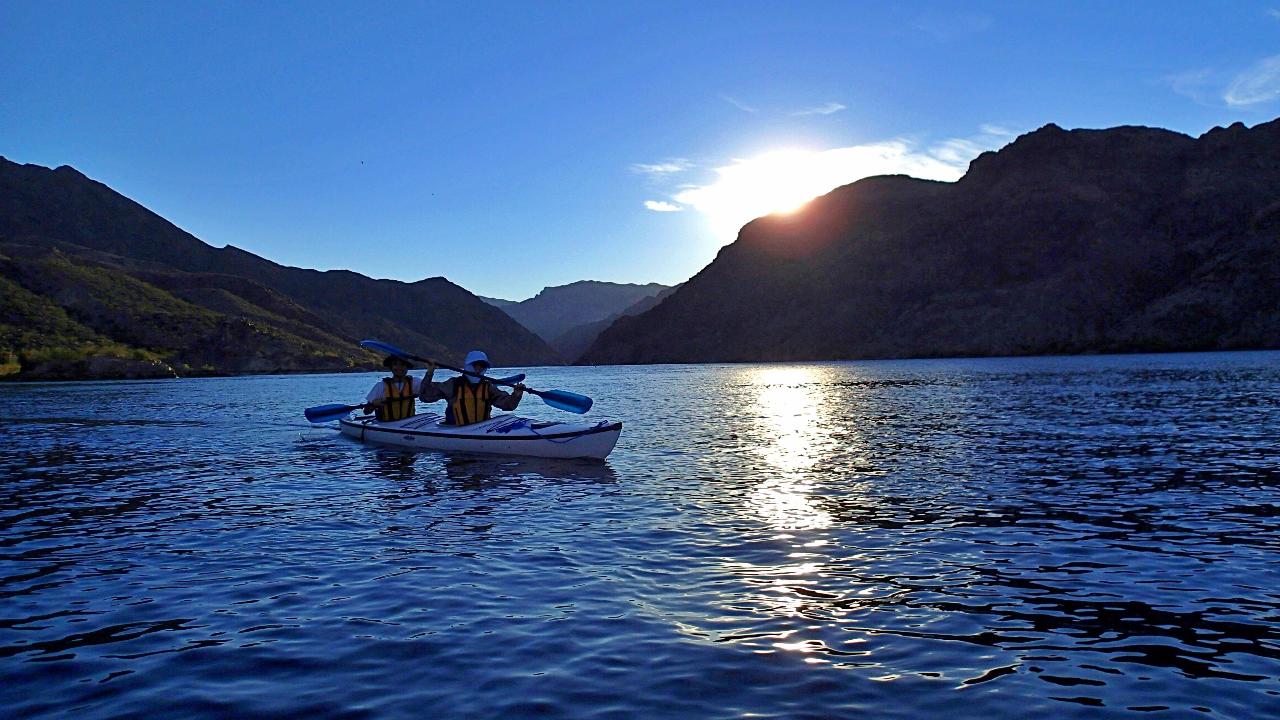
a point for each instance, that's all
(1050, 537)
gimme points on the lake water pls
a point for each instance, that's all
(1042, 537)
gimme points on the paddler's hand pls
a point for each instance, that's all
(519, 389)
(431, 370)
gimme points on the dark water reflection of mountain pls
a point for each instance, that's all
(1043, 537)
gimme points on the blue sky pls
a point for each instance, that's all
(510, 146)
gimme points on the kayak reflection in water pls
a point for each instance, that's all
(471, 399)
(392, 398)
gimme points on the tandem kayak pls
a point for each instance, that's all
(502, 435)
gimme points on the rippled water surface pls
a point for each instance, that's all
(1045, 537)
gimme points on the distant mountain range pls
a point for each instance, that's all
(1083, 241)
(569, 317)
(93, 284)
(572, 343)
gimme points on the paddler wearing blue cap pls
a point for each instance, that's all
(471, 398)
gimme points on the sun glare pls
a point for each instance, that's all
(784, 180)
(777, 182)
(781, 181)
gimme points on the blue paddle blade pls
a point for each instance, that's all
(565, 400)
(327, 413)
(384, 348)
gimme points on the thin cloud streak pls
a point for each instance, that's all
(1258, 84)
(666, 167)
(662, 206)
(957, 152)
(739, 104)
(826, 109)
(1192, 83)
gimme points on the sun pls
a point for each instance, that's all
(779, 181)
(785, 179)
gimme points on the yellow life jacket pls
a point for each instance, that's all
(470, 403)
(399, 404)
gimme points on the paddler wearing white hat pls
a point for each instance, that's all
(471, 398)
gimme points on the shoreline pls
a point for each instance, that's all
(13, 380)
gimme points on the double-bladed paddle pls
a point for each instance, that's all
(328, 413)
(560, 399)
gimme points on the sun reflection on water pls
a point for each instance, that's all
(807, 458)
(788, 421)
(786, 413)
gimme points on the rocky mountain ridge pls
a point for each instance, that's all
(1083, 241)
(577, 311)
(97, 285)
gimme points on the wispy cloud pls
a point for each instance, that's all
(745, 189)
(661, 206)
(824, 109)
(1195, 84)
(739, 104)
(1259, 84)
(666, 167)
(957, 152)
(1273, 12)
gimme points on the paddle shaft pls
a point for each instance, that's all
(495, 381)
(561, 399)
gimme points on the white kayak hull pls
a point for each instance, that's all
(502, 435)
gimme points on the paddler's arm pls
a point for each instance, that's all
(376, 397)
(507, 401)
(432, 391)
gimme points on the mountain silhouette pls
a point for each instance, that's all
(94, 284)
(576, 310)
(1084, 241)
